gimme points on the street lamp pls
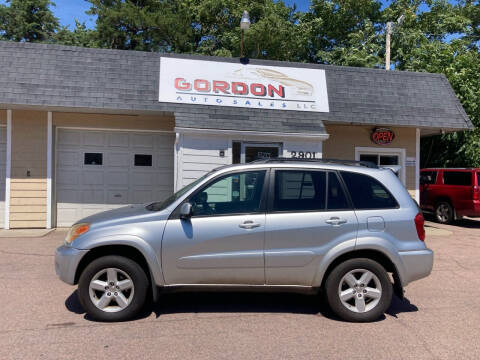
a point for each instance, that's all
(389, 29)
(244, 25)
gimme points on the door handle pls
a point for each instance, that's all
(249, 224)
(335, 221)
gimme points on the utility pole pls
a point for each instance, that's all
(387, 45)
(388, 34)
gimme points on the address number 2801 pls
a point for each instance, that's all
(303, 154)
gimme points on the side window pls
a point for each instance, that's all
(428, 177)
(236, 193)
(457, 178)
(336, 196)
(367, 193)
(299, 190)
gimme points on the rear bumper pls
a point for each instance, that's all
(417, 264)
(66, 263)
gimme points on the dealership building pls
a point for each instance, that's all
(87, 130)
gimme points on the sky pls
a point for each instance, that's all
(69, 10)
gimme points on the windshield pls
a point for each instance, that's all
(160, 205)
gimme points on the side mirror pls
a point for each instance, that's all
(186, 210)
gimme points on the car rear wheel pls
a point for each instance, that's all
(359, 290)
(444, 212)
(113, 288)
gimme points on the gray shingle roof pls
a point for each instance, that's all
(114, 80)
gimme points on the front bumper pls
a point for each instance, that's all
(417, 264)
(66, 263)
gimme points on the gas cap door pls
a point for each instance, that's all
(375, 223)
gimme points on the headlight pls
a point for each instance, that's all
(75, 231)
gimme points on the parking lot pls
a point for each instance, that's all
(41, 317)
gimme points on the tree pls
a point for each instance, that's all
(27, 20)
(343, 32)
(80, 36)
(209, 27)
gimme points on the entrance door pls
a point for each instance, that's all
(222, 242)
(393, 159)
(257, 151)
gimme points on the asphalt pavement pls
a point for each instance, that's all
(41, 317)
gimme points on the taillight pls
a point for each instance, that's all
(476, 193)
(420, 225)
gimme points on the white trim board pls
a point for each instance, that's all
(110, 129)
(8, 170)
(251, 134)
(387, 151)
(417, 165)
(48, 224)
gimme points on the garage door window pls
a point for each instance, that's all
(93, 159)
(143, 160)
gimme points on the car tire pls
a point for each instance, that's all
(370, 286)
(444, 212)
(113, 288)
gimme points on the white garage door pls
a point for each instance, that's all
(103, 170)
(3, 161)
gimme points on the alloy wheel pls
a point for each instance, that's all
(443, 213)
(111, 290)
(360, 290)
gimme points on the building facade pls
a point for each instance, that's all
(87, 130)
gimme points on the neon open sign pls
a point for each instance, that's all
(382, 136)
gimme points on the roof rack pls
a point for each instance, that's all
(367, 164)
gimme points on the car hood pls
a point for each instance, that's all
(126, 214)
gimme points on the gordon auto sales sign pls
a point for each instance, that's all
(382, 136)
(201, 82)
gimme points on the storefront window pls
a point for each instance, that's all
(245, 152)
(380, 160)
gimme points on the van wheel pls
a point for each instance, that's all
(359, 290)
(444, 212)
(113, 288)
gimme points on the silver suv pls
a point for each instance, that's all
(278, 224)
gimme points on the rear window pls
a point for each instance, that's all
(457, 178)
(428, 177)
(367, 192)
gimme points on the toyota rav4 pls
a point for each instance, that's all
(349, 231)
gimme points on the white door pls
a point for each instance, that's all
(103, 170)
(393, 158)
(3, 161)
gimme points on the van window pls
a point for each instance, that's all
(428, 177)
(367, 192)
(299, 190)
(457, 178)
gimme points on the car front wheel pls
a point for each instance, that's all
(113, 288)
(359, 290)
